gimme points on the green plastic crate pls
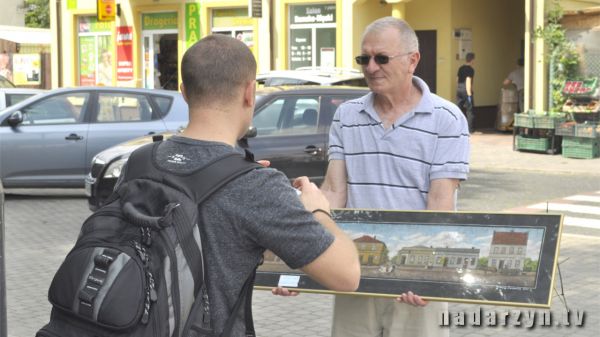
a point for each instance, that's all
(547, 122)
(523, 120)
(579, 142)
(534, 121)
(581, 152)
(565, 129)
(586, 130)
(541, 144)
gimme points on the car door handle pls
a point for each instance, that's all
(73, 136)
(313, 150)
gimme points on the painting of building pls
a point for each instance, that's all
(438, 257)
(371, 251)
(508, 250)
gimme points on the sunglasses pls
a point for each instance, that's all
(363, 60)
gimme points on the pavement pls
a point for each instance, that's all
(41, 227)
(493, 150)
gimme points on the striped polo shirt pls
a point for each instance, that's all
(392, 169)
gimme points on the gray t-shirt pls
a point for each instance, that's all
(257, 211)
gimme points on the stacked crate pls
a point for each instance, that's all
(584, 142)
(536, 132)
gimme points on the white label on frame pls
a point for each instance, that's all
(289, 281)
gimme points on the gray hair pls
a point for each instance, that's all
(408, 38)
(214, 67)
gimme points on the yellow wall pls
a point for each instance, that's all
(434, 15)
(497, 30)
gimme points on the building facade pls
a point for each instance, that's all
(438, 257)
(508, 250)
(371, 252)
(147, 38)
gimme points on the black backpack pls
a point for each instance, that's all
(137, 267)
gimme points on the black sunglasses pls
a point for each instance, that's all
(363, 60)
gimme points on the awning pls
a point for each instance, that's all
(25, 35)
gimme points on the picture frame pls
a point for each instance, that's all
(486, 258)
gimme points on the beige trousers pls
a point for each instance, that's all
(358, 316)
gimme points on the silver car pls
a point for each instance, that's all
(12, 96)
(49, 140)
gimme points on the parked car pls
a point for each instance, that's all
(290, 126)
(6, 83)
(313, 76)
(12, 96)
(49, 140)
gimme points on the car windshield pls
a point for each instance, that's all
(5, 83)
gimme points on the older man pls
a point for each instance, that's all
(399, 147)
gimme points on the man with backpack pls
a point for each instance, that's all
(254, 211)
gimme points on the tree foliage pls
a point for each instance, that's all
(562, 56)
(37, 13)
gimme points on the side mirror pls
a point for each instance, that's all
(251, 133)
(15, 118)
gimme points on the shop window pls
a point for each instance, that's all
(95, 52)
(312, 36)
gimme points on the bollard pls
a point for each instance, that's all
(3, 330)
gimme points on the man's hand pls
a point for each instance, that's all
(312, 198)
(284, 292)
(411, 299)
(264, 163)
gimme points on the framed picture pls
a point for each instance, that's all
(499, 258)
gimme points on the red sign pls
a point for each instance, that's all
(124, 53)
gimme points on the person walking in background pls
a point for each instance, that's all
(517, 77)
(464, 89)
(399, 147)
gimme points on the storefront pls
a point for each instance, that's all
(159, 50)
(147, 39)
(312, 34)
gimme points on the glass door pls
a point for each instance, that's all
(159, 53)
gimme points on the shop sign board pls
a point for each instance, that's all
(192, 24)
(71, 4)
(89, 24)
(310, 14)
(159, 21)
(124, 53)
(106, 10)
(231, 17)
(26, 69)
(255, 8)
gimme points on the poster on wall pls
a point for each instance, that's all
(124, 53)
(87, 60)
(327, 57)
(26, 69)
(6, 66)
(95, 52)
